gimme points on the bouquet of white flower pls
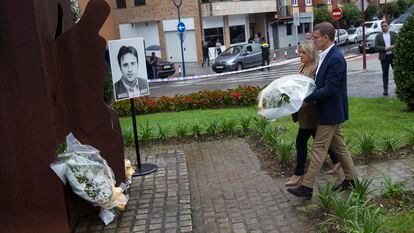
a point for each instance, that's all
(284, 96)
(89, 176)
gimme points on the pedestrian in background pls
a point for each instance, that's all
(218, 47)
(206, 54)
(265, 53)
(384, 43)
(154, 65)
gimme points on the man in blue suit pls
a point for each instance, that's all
(331, 99)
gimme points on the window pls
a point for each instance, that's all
(294, 2)
(237, 34)
(309, 2)
(211, 36)
(307, 27)
(300, 29)
(120, 3)
(257, 48)
(139, 2)
(289, 29)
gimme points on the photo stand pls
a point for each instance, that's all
(142, 168)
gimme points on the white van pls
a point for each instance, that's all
(372, 26)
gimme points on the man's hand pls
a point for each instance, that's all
(391, 47)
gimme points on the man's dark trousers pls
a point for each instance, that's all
(385, 64)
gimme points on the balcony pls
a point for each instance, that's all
(235, 7)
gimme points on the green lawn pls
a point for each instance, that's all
(378, 115)
(400, 222)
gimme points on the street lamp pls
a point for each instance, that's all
(177, 4)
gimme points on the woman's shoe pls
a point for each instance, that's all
(294, 180)
(334, 170)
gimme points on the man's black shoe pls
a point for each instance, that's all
(345, 185)
(385, 93)
(301, 191)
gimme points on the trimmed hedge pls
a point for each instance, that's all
(206, 99)
(404, 64)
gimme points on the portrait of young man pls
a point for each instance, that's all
(129, 74)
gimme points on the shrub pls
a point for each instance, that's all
(212, 128)
(392, 189)
(128, 136)
(196, 129)
(367, 143)
(404, 63)
(326, 194)
(410, 137)
(181, 130)
(228, 125)
(361, 190)
(145, 131)
(245, 123)
(391, 142)
(162, 132)
(206, 99)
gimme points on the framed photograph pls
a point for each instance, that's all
(128, 68)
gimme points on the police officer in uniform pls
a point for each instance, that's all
(265, 53)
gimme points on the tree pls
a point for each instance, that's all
(394, 9)
(351, 15)
(371, 11)
(404, 63)
(323, 14)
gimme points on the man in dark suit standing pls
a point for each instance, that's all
(384, 43)
(331, 100)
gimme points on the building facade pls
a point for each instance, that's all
(282, 23)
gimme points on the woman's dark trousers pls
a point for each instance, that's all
(302, 150)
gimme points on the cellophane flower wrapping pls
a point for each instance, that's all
(284, 96)
(90, 177)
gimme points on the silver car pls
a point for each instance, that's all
(238, 57)
(354, 35)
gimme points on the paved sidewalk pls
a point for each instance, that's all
(219, 186)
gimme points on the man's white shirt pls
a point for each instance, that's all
(132, 91)
(387, 40)
(322, 56)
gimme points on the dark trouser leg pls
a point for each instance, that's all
(385, 65)
(302, 149)
(332, 155)
(268, 62)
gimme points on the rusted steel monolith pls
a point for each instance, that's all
(51, 83)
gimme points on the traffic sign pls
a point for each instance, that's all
(359, 4)
(337, 13)
(181, 27)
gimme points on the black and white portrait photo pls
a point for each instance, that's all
(129, 71)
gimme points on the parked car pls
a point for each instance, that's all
(238, 57)
(372, 26)
(354, 35)
(343, 37)
(165, 68)
(369, 43)
(396, 27)
(402, 18)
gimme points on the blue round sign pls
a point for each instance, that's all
(181, 27)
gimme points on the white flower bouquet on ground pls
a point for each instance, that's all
(90, 177)
(284, 96)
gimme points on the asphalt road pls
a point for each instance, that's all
(258, 77)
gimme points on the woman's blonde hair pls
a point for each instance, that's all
(309, 48)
